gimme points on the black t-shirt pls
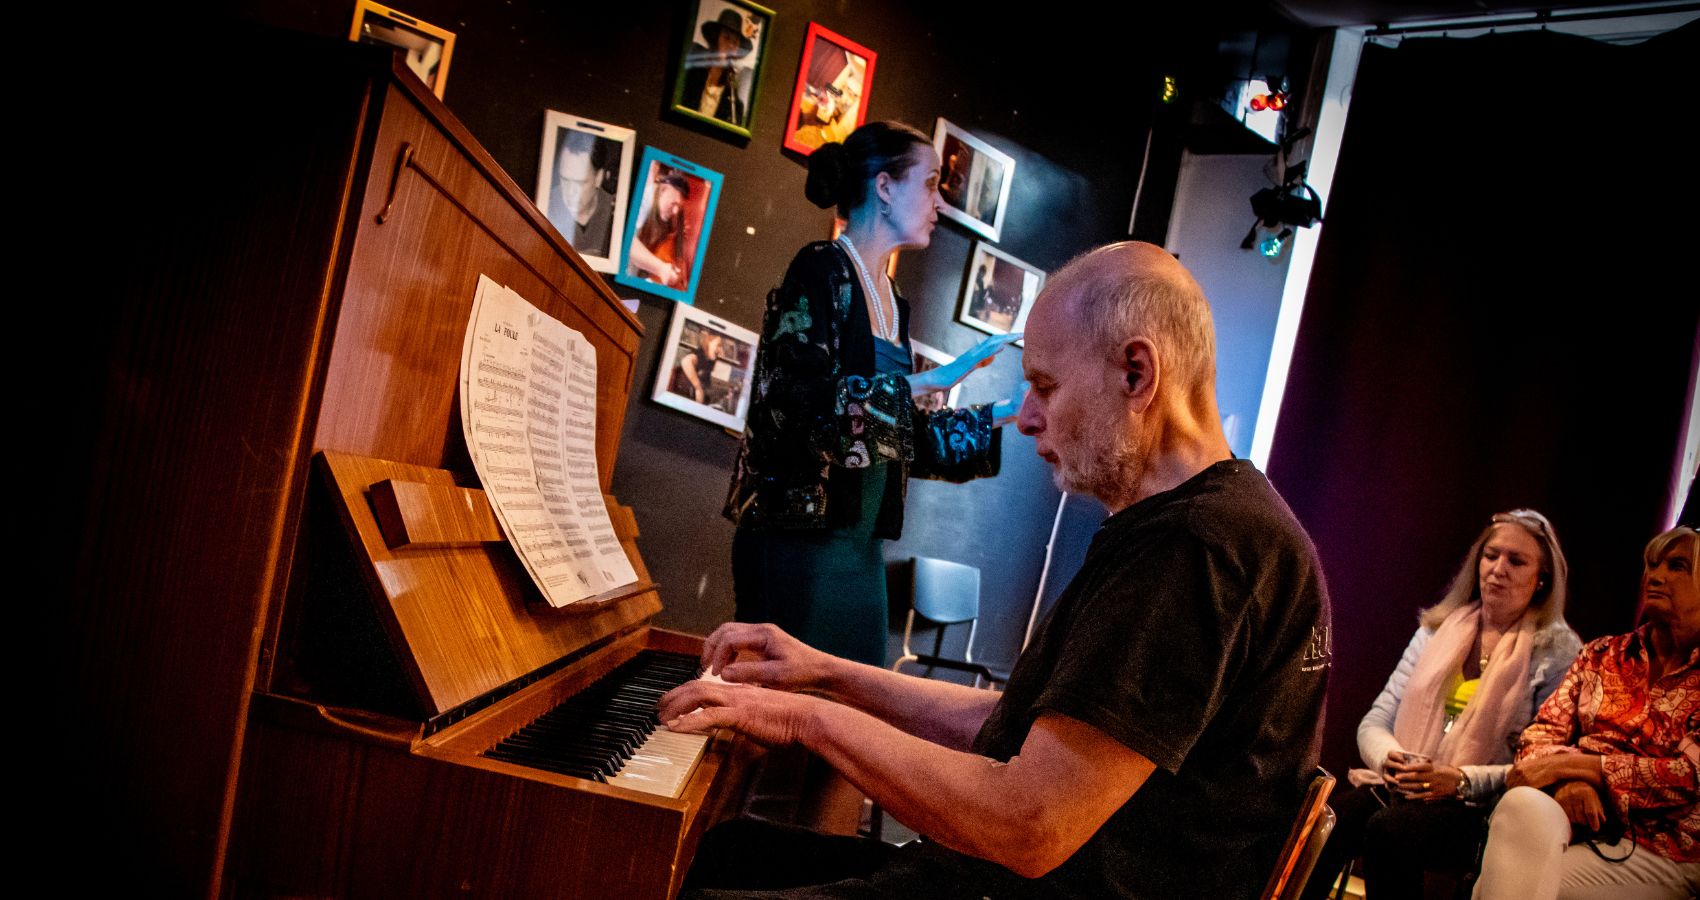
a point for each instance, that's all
(1196, 634)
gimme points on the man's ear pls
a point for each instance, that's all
(1139, 371)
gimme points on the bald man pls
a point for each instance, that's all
(1155, 738)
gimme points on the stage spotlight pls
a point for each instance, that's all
(1272, 245)
(1294, 204)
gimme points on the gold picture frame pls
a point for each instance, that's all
(427, 48)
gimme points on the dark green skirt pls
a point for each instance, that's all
(826, 588)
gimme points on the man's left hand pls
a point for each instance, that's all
(770, 717)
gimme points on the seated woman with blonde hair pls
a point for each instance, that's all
(1438, 740)
(1610, 760)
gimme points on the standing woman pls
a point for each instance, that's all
(833, 433)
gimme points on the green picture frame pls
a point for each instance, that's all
(720, 63)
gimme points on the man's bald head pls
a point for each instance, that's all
(1133, 289)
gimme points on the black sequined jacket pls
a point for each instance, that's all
(820, 416)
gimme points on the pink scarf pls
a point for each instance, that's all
(1501, 704)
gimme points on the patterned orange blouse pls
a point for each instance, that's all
(1644, 733)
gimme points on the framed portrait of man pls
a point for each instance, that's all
(998, 291)
(584, 178)
(667, 231)
(831, 96)
(720, 63)
(427, 47)
(706, 367)
(974, 180)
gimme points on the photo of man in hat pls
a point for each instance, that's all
(718, 67)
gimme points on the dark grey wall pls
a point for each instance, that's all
(1071, 104)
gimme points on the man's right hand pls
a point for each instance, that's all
(772, 718)
(772, 658)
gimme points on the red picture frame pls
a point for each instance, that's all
(834, 82)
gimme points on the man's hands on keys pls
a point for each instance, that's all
(757, 695)
(771, 658)
(770, 717)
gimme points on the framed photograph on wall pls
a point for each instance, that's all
(428, 47)
(927, 358)
(584, 178)
(998, 291)
(667, 231)
(706, 367)
(831, 96)
(720, 65)
(974, 179)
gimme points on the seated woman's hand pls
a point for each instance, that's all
(772, 658)
(1582, 806)
(1540, 772)
(1418, 778)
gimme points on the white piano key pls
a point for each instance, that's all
(665, 761)
(663, 764)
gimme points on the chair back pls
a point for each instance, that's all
(945, 592)
(942, 593)
(1310, 831)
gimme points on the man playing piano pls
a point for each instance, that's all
(1155, 738)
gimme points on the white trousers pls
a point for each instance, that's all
(1529, 856)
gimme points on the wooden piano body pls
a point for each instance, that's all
(299, 697)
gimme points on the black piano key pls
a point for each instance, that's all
(596, 748)
(624, 724)
(586, 762)
(577, 771)
(564, 730)
(593, 733)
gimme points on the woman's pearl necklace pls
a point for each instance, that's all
(887, 329)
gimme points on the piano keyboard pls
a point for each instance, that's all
(608, 732)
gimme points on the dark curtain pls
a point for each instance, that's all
(1502, 314)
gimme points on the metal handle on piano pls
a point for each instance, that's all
(402, 160)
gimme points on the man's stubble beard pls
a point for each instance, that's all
(1111, 468)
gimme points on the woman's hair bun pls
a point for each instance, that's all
(828, 170)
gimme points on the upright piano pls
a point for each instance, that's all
(329, 675)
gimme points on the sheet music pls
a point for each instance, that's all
(528, 408)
